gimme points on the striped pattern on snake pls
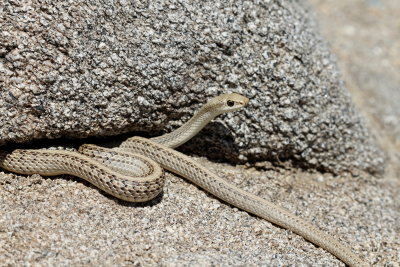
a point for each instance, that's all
(112, 171)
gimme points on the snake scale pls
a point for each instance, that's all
(134, 172)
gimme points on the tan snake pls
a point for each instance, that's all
(130, 172)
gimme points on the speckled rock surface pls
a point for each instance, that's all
(370, 66)
(62, 221)
(92, 68)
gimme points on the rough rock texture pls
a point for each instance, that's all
(372, 65)
(93, 68)
(62, 221)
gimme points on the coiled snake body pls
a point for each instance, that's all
(132, 172)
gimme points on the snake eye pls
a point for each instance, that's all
(230, 103)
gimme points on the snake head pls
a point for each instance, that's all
(227, 103)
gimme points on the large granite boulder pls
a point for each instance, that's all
(98, 68)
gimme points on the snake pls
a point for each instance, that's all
(134, 172)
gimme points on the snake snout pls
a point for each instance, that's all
(243, 101)
(246, 101)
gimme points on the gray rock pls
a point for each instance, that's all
(84, 69)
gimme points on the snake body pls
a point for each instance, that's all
(145, 185)
(130, 172)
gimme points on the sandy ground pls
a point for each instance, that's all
(62, 221)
